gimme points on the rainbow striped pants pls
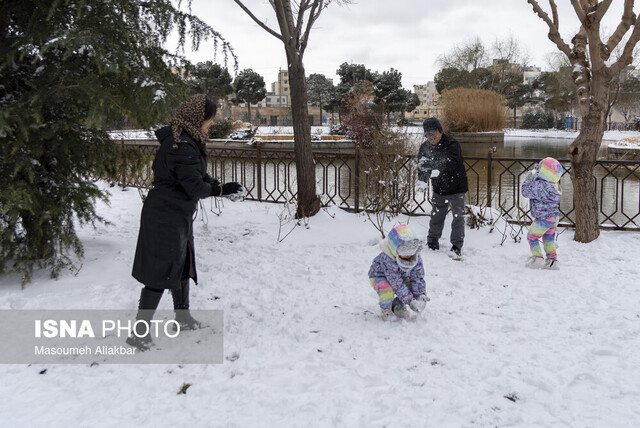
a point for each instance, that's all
(386, 293)
(545, 229)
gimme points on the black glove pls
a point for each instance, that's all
(230, 188)
(216, 190)
(214, 181)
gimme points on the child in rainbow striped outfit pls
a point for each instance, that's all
(542, 188)
(397, 273)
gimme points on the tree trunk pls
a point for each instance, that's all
(583, 153)
(308, 200)
(249, 112)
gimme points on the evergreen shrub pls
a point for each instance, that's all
(537, 119)
(221, 129)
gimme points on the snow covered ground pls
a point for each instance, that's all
(498, 345)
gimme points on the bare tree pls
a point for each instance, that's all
(469, 56)
(593, 70)
(508, 58)
(509, 50)
(295, 20)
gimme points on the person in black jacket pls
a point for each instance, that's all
(440, 158)
(165, 254)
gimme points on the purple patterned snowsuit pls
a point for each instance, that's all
(389, 280)
(544, 203)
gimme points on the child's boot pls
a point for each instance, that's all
(551, 264)
(535, 262)
(385, 313)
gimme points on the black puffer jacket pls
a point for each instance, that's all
(446, 157)
(165, 240)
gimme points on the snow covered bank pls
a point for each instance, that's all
(498, 345)
(326, 130)
(568, 134)
(632, 143)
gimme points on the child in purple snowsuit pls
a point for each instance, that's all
(542, 188)
(397, 273)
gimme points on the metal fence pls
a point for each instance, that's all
(268, 175)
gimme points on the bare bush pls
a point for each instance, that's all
(385, 157)
(388, 176)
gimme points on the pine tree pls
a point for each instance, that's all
(250, 88)
(67, 68)
(211, 79)
(319, 90)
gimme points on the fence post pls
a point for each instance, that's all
(356, 182)
(259, 161)
(124, 164)
(489, 176)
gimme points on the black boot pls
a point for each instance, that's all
(433, 244)
(181, 307)
(149, 300)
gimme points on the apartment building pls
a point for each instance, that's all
(530, 74)
(429, 103)
(275, 108)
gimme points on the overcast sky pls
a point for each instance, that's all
(408, 35)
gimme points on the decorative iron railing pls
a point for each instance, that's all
(267, 171)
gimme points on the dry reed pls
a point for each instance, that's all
(473, 110)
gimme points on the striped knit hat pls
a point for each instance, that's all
(398, 236)
(549, 169)
(402, 242)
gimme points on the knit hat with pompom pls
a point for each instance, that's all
(549, 169)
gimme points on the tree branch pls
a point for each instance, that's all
(602, 9)
(316, 9)
(553, 35)
(260, 23)
(304, 6)
(554, 13)
(580, 7)
(627, 54)
(284, 14)
(628, 18)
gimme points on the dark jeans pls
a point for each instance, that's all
(440, 204)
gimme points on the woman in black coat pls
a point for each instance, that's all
(165, 254)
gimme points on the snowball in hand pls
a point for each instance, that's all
(238, 196)
(421, 186)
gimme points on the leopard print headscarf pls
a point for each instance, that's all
(189, 118)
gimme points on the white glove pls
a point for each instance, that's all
(418, 304)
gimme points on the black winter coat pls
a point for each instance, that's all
(165, 241)
(446, 156)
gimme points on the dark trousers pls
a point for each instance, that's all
(440, 205)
